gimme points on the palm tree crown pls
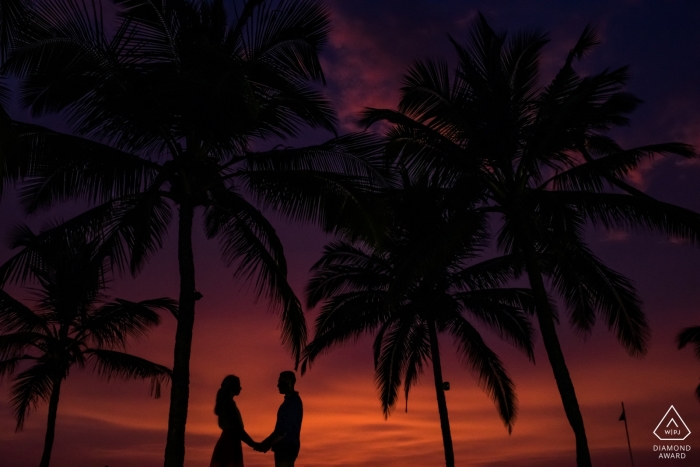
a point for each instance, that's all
(541, 163)
(70, 325)
(411, 286)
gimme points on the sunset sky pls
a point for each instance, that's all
(117, 424)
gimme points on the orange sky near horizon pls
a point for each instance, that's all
(117, 424)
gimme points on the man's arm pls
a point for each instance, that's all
(270, 441)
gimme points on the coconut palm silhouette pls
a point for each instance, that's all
(412, 286)
(543, 166)
(70, 325)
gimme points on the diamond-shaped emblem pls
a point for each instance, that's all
(672, 427)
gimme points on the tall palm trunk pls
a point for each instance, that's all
(545, 319)
(440, 392)
(51, 424)
(180, 389)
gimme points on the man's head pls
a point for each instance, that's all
(286, 382)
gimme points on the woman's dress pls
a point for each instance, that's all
(228, 451)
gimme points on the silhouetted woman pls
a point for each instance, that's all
(228, 451)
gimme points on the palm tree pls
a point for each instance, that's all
(164, 109)
(71, 325)
(691, 335)
(412, 286)
(544, 166)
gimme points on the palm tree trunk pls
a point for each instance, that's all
(51, 424)
(550, 339)
(180, 389)
(440, 392)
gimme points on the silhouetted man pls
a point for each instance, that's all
(284, 441)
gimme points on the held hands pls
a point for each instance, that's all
(266, 444)
(261, 447)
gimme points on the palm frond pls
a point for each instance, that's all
(125, 230)
(588, 286)
(618, 211)
(480, 66)
(5, 124)
(492, 375)
(286, 106)
(344, 317)
(420, 147)
(8, 366)
(114, 322)
(66, 44)
(13, 15)
(65, 167)
(505, 311)
(521, 64)
(64, 263)
(249, 240)
(355, 154)
(133, 228)
(426, 92)
(488, 273)
(392, 362)
(12, 165)
(112, 364)
(591, 175)
(343, 268)
(30, 386)
(19, 267)
(331, 184)
(15, 345)
(16, 317)
(288, 36)
(589, 39)
(147, 31)
(418, 352)
(690, 335)
(571, 103)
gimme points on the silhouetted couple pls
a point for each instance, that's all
(284, 440)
